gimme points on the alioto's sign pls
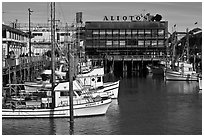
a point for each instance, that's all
(128, 18)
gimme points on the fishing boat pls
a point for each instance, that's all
(40, 105)
(65, 99)
(94, 80)
(184, 73)
(43, 81)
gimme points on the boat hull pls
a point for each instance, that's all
(34, 86)
(87, 109)
(111, 88)
(200, 83)
(178, 76)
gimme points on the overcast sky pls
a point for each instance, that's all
(183, 14)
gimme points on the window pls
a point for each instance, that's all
(122, 43)
(79, 92)
(115, 43)
(95, 32)
(161, 43)
(161, 32)
(128, 33)
(115, 32)
(108, 43)
(147, 43)
(102, 32)
(154, 33)
(122, 32)
(154, 43)
(96, 43)
(109, 32)
(147, 33)
(140, 32)
(102, 43)
(134, 33)
(98, 79)
(64, 93)
(140, 43)
(37, 34)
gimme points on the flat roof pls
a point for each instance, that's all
(5, 27)
(126, 24)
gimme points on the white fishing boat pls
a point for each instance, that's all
(94, 81)
(83, 105)
(185, 73)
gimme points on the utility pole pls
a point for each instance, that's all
(71, 71)
(70, 60)
(29, 33)
(53, 51)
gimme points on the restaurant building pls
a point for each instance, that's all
(126, 38)
(133, 41)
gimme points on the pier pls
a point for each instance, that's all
(17, 71)
(126, 64)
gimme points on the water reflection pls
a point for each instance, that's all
(183, 87)
(95, 125)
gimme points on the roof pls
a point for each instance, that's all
(126, 24)
(18, 31)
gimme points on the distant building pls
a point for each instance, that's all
(14, 45)
(41, 36)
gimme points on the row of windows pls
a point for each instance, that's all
(123, 43)
(150, 32)
(12, 35)
(58, 34)
(126, 37)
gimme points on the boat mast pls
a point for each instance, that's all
(187, 45)
(174, 42)
(53, 51)
(71, 64)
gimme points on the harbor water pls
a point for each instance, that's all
(146, 105)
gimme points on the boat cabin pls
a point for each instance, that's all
(93, 79)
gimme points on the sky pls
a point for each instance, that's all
(183, 14)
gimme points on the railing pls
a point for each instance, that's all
(22, 60)
(135, 57)
(130, 57)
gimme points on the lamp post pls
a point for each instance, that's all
(29, 33)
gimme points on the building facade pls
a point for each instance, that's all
(41, 36)
(126, 38)
(14, 44)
